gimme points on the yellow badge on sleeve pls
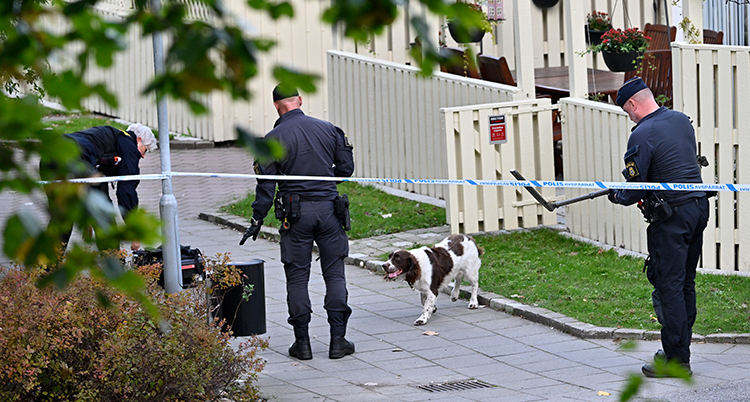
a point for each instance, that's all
(632, 169)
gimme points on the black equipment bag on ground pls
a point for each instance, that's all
(192, 262)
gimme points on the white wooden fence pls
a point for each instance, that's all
(595, 137)
(303, 42)
(392, 115)
(470, 155)
(712, 86)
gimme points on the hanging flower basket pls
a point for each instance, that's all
(622, 50)
(594, 36)
(622, 62)
(465, 36)
(545, 3)
(597, 23)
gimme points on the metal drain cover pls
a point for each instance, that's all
(463, 385)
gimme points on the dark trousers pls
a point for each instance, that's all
(317, 223)
(674, 246)
(65, 226)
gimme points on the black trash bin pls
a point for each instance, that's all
(250, 317)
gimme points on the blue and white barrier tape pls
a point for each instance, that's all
(591, 185)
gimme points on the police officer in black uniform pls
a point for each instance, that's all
(314, 148)
(662, 149)
(111, 152)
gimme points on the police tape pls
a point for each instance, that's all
(595, 185)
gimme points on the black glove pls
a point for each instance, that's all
(252, 231)
(612, 196)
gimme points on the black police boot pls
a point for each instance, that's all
(649, 370)
(660, 355)
(301, 349)
(340, 347)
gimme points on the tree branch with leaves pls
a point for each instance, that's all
(204, 56)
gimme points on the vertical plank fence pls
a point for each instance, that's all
(392, 115)
(470, 155)
(134, 67)
(595, 137)
(712, 86)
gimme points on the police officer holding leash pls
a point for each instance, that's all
(662, 149)
(310, 211)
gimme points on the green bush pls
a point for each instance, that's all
(64, 346)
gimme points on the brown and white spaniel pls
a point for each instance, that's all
(428, 269)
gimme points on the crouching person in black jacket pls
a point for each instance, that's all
(108, 151)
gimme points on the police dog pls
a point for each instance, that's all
(428, 269)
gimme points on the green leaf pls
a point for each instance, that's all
(112, 269)
(15, 235)
(101, 209)
(290, 79)
(68, 86)
(264, 150)
(60, 277)
(275, 10)
(103, 299)
(631, 388)
(282, 9)
(362, 18)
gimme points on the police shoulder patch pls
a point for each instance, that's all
(347, 143)
(631, 170)
(256, 168)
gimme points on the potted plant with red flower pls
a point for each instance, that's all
(597, 23)
(622, 49)
(469, 23)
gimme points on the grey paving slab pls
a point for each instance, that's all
(427, 373)
(509, 378)
(587, 356)
(617, 362)
(449, 351)
(494, 368)
(550, 363)
(499, 347)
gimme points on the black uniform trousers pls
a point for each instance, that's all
(317, 223)
(674, 246)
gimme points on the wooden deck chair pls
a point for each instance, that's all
(661, 36)
(459, 65)
(713, 37)
(495, 69)
(656, 72)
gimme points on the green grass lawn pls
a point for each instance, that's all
(64, 122)
(545, 269)
(373, 212)
(73, 123)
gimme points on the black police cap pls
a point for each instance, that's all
(628, 89)
(279, 94)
